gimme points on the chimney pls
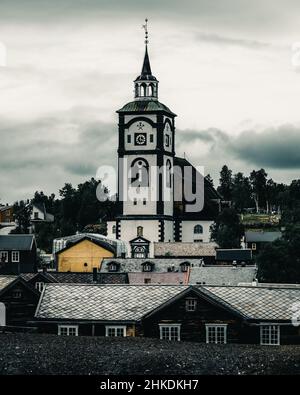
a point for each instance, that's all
(95, 275)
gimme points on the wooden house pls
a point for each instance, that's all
(18, 254)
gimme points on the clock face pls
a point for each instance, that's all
(140, 139)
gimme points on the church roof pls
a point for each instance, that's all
(145, 106)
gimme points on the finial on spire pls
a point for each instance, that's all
(145, 27)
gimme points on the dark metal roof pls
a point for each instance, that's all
(233, 255)
(261, 237)
(16, 242)
(145, 106)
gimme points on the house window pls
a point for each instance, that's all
(17, 294)
(36, 215)
(114, 229)
(15, 256)
(191, 304)
(185, 266)
(144, 202)
(68, 330)
(128, 138)
(115, 331)
(216, 333)
(112, 267)
(169, 332)
(4, 256)
(147, 267)
(39, 286)
(147, 280)
(139, 231)
(198, 229)
(253, 246)
(270, 335)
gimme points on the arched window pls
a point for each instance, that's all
(114, 229)
(150, 90)
(139, 173)
(139, 231)
(137, 90)
(2, 314)
(168, 174)
(198, 229)
(143, 89)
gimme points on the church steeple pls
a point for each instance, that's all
(146, 85)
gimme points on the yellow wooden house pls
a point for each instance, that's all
(83, 255)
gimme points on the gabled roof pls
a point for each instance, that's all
(103, 302)
(17, 242)
(261, 237)
(236, 254)
(257, 303)
(4, 208)
(100, 243)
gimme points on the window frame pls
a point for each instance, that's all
(188, 307)
(253, 246)
(6, 253)
(115, 328)
(196, 227)
(12, 256)
(269, 327)
(216, 326)
(39, 285)
(67, 327)
(170, 326)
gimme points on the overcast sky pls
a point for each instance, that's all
(226, 68)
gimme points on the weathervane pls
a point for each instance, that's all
(145, 27)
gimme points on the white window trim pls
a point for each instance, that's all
(253, 246)
(68, 327)
(39, 285)
(161, 326)
(12, 256)
(5, 252)
(207, 326)
(107, 327)
(263, 325)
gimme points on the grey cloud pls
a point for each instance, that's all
(223, 40)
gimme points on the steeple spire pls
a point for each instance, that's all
(146, 85)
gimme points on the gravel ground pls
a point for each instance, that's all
(48, 354)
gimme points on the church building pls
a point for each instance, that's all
(151, 200)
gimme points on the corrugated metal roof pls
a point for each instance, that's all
(103, 302)
(233, 255)
(258, 303)
(261, 237)
(16, 242)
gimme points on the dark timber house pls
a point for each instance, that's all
(212, 314)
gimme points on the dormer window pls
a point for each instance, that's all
(113, 267)
(185, 266)
(148, 267)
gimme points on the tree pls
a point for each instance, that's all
(258, 180)
(227, 230)
(241, 192)
(22, 212)
(225, 188)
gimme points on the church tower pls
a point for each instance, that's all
(146, 159)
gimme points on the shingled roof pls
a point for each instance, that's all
(103, 302)
(222, 275)
(6, 280)
(257, 303)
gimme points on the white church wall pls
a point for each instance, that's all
(188, 234)
(141, 127)
(169, 231)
